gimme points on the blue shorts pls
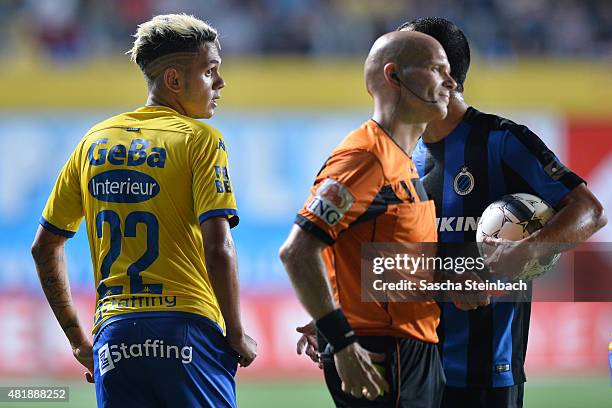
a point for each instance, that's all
(154, 359)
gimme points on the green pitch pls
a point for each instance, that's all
(587, 392)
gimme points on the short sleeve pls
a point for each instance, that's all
(530, 159)
(213, 193)
(64, 209)
(343, 191)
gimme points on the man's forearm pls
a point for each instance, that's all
(311, 285)
(51, 268)
(306, 271)
(223, 274)
(578, 219)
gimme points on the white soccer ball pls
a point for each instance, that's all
(514, 217)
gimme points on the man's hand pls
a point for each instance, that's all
(308, 343)
(358, 375)
(301, 255)
(246, 348)
(508, 258)
(84, 354)
(470, 300)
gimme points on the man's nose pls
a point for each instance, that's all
(219, 83)
(450, 83)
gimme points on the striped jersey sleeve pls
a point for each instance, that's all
(525, 153)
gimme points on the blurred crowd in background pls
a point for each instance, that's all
(67, 30)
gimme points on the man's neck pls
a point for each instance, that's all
(440, 129)
(158, 100)
(405, 135)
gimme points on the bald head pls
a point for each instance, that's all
(404, 49)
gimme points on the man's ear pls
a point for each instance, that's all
(390, 73)
(173, 80)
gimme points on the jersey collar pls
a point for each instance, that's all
(156, 108)
(377, 126)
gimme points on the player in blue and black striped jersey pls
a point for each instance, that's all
(467, 161)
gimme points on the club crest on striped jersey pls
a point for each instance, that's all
(331, 201)
(464, 182)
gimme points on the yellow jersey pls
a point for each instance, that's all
(144, 181)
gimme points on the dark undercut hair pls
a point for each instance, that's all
(451, 38)
(169, 34)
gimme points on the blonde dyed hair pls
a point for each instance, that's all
(170, 34)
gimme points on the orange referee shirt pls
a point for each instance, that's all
(369, 191)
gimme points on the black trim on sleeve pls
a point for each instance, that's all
(323, 167)
(571, 180)
(314, 229)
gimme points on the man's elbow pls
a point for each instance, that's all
(35, 250)
(220, 251)
(591, 211)
(599, 215)
(298, 246)
(593, 207)
(286, 252)
(293, 251)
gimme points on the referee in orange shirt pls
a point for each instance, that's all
(369, 191)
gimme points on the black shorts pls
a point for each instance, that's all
(477, 397)
(412, 369)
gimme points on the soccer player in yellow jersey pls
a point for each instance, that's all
(155, 191)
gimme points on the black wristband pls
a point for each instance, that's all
(336, 330)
